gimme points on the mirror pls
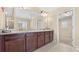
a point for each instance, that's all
(22, 19)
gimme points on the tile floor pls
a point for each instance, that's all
(61, 47)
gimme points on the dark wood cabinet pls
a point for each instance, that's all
(51, 36)
(21, 42)
(15, 43)
(31, 41)
(1, 43)
(40, 39)
(47, 39)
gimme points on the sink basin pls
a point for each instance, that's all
(6, 31)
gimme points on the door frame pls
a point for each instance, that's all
(73, 26)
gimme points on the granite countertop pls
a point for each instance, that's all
(17, 32)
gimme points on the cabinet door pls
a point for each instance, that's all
(15, 43)
(40, 39)
(46, 37)
(51, 36)
(31, 41)
(1, 44)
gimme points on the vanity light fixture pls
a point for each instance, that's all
(66, 14)
(43, 13)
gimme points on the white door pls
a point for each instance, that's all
(65, 30)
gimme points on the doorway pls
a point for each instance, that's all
(65, 28)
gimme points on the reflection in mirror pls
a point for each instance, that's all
(23, 19)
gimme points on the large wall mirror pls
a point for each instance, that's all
(22, 19)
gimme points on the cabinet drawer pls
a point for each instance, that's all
(46, 34)
(14, 36)
(40, 34)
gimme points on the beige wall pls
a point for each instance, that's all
(2, 19)
(77, 26)
(52, 24)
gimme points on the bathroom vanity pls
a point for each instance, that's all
(24, 41)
